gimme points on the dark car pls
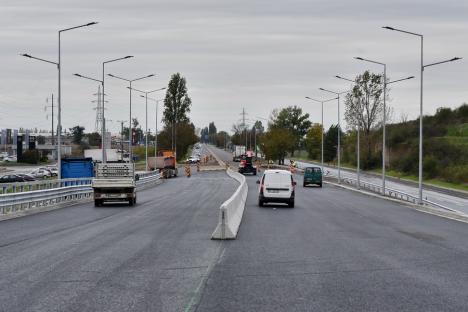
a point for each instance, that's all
(26, 177)
(313, 175)
(246, 165)
(12, 178)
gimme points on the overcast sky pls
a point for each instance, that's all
(256, 54)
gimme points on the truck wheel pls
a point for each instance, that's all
(97, 203)
(130, 202)
(255, 173)
(320, 184)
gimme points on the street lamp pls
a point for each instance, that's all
(156, 126)
(422, 66)
(104, 158)
(339, 130)
(130, 151)
(146, 130)
(59, 106)
(384, 116)
(321, 101)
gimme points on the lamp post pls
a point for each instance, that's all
(104, 158)
(146, 124)
(59, 100)
(156, 126)
(339, 130)
(130, 151)
(384, 116)
(321, 101)
(422, 66)
(121, 138)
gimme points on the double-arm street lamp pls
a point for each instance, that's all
(146, 126)
(321, 101)
(59, 100)
(130, 151)
(339, 130)
(422, 66)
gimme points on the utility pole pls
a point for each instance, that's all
(121, 139)
(52, 107)
(244, 126)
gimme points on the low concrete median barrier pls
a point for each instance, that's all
(231, 211)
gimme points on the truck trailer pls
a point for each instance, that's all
(165, 163)
(114, 182)
(239, 151)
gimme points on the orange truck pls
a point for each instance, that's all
(165, 163)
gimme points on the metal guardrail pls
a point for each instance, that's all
(389, 192)
(66, 190)
(19, 187)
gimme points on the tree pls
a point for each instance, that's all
(212, 132)
(94, 139)
(292, 119)
(313, 141)
(275, 143)
(77, 134)
(187, 137)
(364, 105)
(330, 143)
(176, 105)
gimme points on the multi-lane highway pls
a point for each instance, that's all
(337, 250)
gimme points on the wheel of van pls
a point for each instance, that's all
(320, 184)
(304, 184)
(291, 203)
(260, 202)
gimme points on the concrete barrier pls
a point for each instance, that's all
(231, 211)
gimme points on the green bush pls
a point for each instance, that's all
(30, 157)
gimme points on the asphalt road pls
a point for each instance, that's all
(152, 257)
(450, 201)
(339, 250)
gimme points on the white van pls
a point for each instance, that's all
(276, 186)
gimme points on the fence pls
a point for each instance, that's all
(36, 195)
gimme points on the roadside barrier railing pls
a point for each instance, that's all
(19, 187)
(66, 190)
(389, 192)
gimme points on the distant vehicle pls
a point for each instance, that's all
(276, 186)
(9, 158)
(53, 170)
(246, 164)
(312, 175)
(112, 155)
(165, 163)
(193, 160)
(26, 177)
(12, 178)
(239, 150)
(40, 173)
(114, 182)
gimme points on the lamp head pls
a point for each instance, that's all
(92, 23)
(359, 58)
(77, 75)
(455, 59)
(26, 55)
(128, 56)
(110, 75)
(388, 27)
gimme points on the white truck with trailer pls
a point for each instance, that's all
(114, 182)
